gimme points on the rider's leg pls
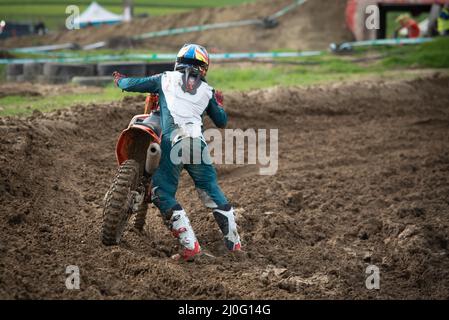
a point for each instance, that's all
(205, 178)
(164, 186)
(165, 181)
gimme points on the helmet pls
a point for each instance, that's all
(194, 57)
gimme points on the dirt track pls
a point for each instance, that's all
(363, 179)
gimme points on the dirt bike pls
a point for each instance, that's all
(138, 154)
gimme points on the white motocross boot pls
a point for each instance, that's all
(183, 231)
(224, 215)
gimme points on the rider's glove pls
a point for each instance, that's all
(219, 98)
(117, 76)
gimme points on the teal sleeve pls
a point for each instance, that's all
(216, 112)
(148, 84)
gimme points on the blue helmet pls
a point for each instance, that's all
(193, 56)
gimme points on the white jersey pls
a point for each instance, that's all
(185, 108)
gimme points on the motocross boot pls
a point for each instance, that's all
(181, 229)
(224, 215)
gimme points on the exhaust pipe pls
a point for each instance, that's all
(153, 158)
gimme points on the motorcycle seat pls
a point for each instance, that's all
(153, 124)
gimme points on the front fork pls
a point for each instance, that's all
(137, 200)
(138, 197)
(142, 195)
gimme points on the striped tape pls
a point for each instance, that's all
(74, 58)
(64, 46)
(287, 9)
(164, 56)
(386, 42)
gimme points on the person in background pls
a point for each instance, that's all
(2, 26)
(405, 21)
(443, 21)
(40, 29)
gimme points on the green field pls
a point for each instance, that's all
(52, 12)
(388, 63)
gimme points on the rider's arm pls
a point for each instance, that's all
(148, 84)
(215, 110)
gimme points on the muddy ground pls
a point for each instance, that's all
(28, 89)
(363, 179)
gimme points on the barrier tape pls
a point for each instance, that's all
(164, 56)
(385, 42)
(287, 9)
(73, 58)
(43, 49)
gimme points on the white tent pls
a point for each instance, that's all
(96, 14)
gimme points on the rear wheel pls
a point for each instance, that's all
(119, 202)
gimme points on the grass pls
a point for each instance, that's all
(392, 63)
(52, 12)
(430, 55)
(281, 75)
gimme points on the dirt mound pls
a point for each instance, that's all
(363, 179)
(32, 89)
(311, 26)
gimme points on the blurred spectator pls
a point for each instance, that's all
(40, 29)
(405, 21)
(12, 29)
(443, 21)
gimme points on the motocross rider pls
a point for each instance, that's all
(184, 97)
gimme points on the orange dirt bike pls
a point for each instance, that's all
(138, 154)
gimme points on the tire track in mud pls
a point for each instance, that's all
(363, 179)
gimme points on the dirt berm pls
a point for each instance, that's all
(363, 180)
(313, 26)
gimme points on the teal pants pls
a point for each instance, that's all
(192, 155)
